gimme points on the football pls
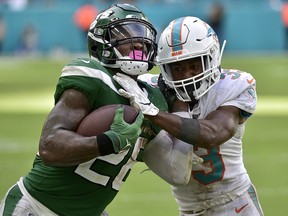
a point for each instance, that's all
(100, 120)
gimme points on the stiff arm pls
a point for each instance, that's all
(170, 158)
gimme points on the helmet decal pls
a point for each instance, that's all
(210, 33)
(176, 37)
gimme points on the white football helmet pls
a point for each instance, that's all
(185, 38)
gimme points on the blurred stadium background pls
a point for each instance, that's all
(40, 36)
(247, 25)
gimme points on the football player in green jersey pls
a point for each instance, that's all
(76, 175)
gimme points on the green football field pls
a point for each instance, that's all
(26, 96)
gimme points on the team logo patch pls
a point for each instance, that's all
(251, 92)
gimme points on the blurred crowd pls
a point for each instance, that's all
(214, 13)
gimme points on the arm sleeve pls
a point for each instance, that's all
(239, 91)
(169, 158)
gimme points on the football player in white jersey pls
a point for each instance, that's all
(210, 108)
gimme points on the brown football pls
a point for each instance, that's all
(100, 120)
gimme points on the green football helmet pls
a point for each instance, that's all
(123, 24)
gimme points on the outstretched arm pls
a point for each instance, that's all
(171, 159)
(219, 126)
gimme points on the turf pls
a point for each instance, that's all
(26, 96)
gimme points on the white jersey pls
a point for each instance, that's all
(222, 171)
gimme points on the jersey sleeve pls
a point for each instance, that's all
(169, 158)
(239, 90)
(88, 77)
(80, 83)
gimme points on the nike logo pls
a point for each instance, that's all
(238, 210)
(250, 81)
(86, 61)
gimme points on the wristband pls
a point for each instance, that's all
(105, 145)
(190, 131)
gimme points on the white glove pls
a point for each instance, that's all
(138, 98)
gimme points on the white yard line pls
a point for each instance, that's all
(272, 106)
(27, 103)
(272, 191)
(17, 146)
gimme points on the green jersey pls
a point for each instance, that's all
(88, 188)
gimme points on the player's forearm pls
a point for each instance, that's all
(168, 122)
(187, 130)
(66, 148)
(199, 133)
(165, 153)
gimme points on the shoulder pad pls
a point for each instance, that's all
(86, 62)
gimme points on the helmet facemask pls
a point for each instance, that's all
(140, 60)
(196, 86)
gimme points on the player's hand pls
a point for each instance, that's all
(196, 159)
(138, 99)
(122, 134)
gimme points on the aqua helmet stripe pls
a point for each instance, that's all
(176, 35)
